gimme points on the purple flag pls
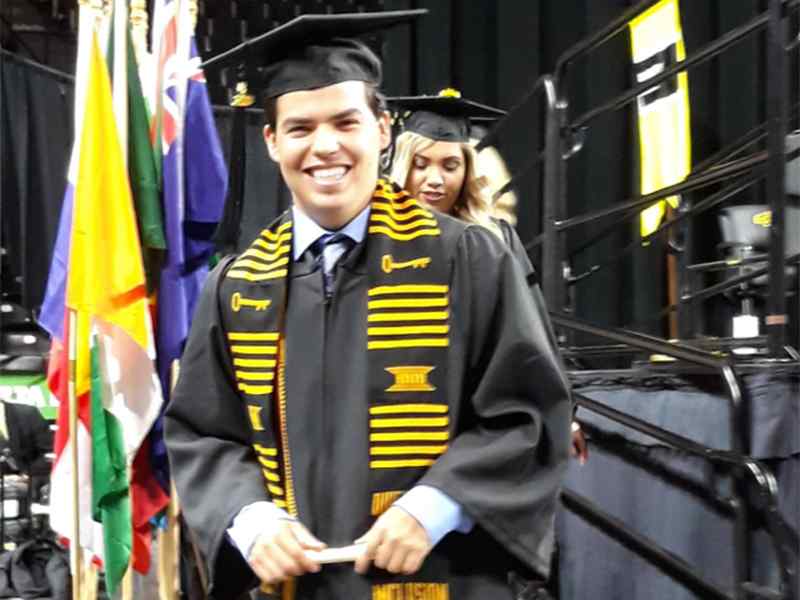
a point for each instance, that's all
(194, 188)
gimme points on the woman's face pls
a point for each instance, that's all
(437, 174)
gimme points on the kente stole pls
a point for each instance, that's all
(407, 326)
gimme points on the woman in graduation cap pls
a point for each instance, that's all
(435, 160)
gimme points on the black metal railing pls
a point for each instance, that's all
(754, 487)
(563, 137)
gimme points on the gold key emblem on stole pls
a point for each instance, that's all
(238, 303)
(388, 265)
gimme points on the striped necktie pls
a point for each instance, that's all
(328, 249)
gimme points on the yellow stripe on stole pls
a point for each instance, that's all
(255, 417)
(265, 451)
(242, 336)
(276, 234)
(409, 303)
(392, 198)
(247, 276)
(394, 464)
(412, 330)
(412, 343)
(270, 464)
(408, 316)
(400, 216)
(253, 362)
(395, 450)
(403, 237)
(387, 220)
(267, 256)
(386, 192)
(396, 409)
(273, 246)
(238, 349)
(383, 500)
(418, 422)
(279, 503)
(260, 266)
(410, 288)
(410, 436)
(254, 376)
(270, 476)
(255, 390)
(275, 489)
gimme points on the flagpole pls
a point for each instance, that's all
(138, 19)
(169, 539)
(119, 69)
(75, 545)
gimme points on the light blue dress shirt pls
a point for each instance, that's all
(433, 509)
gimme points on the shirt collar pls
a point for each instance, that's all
(306, 231)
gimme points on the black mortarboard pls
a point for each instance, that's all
(308, 52)
(314, 51)
(444, 118)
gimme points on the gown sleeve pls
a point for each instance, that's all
(506, 461)
(208, 438)
(517, 249)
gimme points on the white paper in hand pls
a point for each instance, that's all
(337, 555)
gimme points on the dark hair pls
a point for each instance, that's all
(375, 100)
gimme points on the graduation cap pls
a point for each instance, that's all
(309, 52)
(445, 118)
(314, 51)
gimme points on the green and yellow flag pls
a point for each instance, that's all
(106, 288)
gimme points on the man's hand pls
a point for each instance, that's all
(396, 542)
(579, 449)
(279, 553)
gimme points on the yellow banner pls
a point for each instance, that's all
(663, 110)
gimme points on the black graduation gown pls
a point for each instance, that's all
(509, 407)
(517, 248)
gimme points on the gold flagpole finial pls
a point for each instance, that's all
(138, 16)
(449, 93)
(99, 9)
(242, 98)
(193, 13)
(139, 28)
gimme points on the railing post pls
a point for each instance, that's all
(687, 313)
(776, 318)
(553, 200)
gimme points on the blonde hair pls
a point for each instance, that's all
(472, 205)
(492, 166)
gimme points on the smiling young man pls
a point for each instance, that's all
(350, 420)
(327, 142)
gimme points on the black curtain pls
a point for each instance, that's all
(493, 52)
(35, 144)
(265, 194)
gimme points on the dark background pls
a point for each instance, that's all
(491, 50)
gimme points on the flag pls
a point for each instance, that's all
(106, 288)
(663, 110)
(97, 273)
(141, 160)
(53, 318)
(194, 183)
(147, 497)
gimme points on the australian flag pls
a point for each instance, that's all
(194, 179)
